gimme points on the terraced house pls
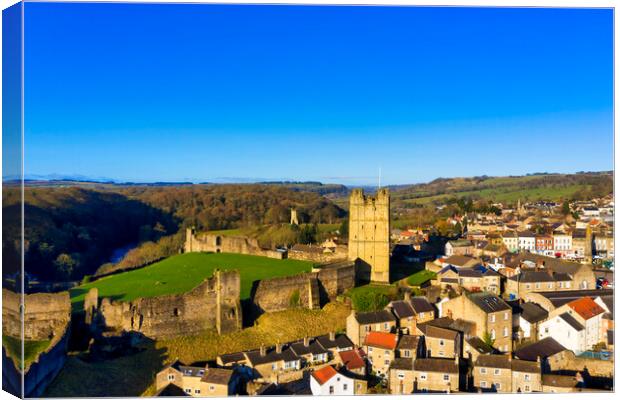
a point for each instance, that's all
(197, 381)
(360, 324)
(503, 374)
(411, 312)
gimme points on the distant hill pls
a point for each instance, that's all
(508, 189)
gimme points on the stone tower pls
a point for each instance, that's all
(228, 307)
(294, 219)
(369, 233)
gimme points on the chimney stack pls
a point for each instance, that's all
(278, 348)
(263, 350)
(306, 341)
(332, 336)
(407, 296)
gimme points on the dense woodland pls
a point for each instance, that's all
(71, 231)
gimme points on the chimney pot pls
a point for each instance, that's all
(278, 348)
(306, 341)
(332, 336)
(263, 350)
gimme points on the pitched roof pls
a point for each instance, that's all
(459, 325)
(324, 374)
(567, 381)
(383, 340)
(352, 359)
(460, 261)
(171, 390)
(232, 357)
(436, 365)
(493, 361)
(402, 364)
(532, 312)
(586, 307)
(570, 320)
(402, 309)
(375, 317)
(340, 341)
(543, 349)
(525, 366)
(420, 304)
(530, 276)
(270, 356)
(408, 342)
(219, 376)
(480, 346)
(437, 332)
(559, 298)
(488, 302)
(313, 347)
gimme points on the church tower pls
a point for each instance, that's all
(369, 233)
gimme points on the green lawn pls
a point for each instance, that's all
(421, 277)
(32, 348)
(181, 273)
(372, 297)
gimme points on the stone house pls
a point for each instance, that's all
(491, 314)
(410, 346)
(380, 348)
(502, 374)
(353, 360)
(473, 347)
(510, 241)
(335, 343)
(198, 381)
(535, 280)
(440, 342)
(474, 279)
(424, 375)
(460, 261)
(360, 324)
(270, 363)
(461, 247)
(310, 351)
(582, 275)
(554, 383)
(548, 351)
(411, 311)
(530, 318)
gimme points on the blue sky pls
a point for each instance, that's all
(199, 92)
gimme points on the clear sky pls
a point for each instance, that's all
(203, 92)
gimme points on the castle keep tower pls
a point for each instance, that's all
(369, 233)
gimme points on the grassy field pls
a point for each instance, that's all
(181, 273)
(372, 297)
(32, 348)
(420, 277)
(133, 375)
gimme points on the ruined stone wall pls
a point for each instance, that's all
(214, 304)
(314, 288)
(369, 232)
(226, 244)
(46, 315)
(339, 255)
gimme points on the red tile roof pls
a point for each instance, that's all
(383, 340)
(352, 359)
(324, 374)
(586, 307)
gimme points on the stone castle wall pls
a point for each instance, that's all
(226, 244)
(46, 315)
(313, 288)
(340, 254)
(369, 233)
(214, 304)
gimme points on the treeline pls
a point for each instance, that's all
(70, 232)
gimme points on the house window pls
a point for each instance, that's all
(274, 366)
(170, 377)
(527, 388)
(498, 385)
(421, 315)
(550, 285)
(441, 342)
(211, 388)
(492, 317)
(197, 391)
(407, 354)
(345, 387)
(527, 377)
(401, 375)
(537, 285)
(493, 334)
(386, 362)
(497, 371)
(528, 286)
(331, 390)
(386, 352)
(422, 377)
(505, 316)
(369, 350)
(483, 371)
(367, 328)
(505, 331)
(483, 384)
(188, 390)
(567, 285)
(338, 379)
(446, 377)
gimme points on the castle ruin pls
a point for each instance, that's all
(226, 244)
(369, 233)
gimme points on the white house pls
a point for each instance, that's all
(562, 241)
(527, 241)
(329, 382)
(566, 330)
(511, 241)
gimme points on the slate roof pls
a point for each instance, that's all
(314, 347)
(340, 341)
(526, 276)
(437, 332)
(218, 376)
(525, 366)
(460, 325)
(559, 298)
(566, 381)
(408, 342)
(532, 312)
(402, 309)
(405, 364)
(479, 345)
(232, 358)
(375, 317)
(445, 365)
(271, 356)
(420, 304)
(572, 321)
(459, 261)
(493, 361)
(187, 370)
(488, 302)
(543, 348)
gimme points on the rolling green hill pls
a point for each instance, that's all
(181, 273)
